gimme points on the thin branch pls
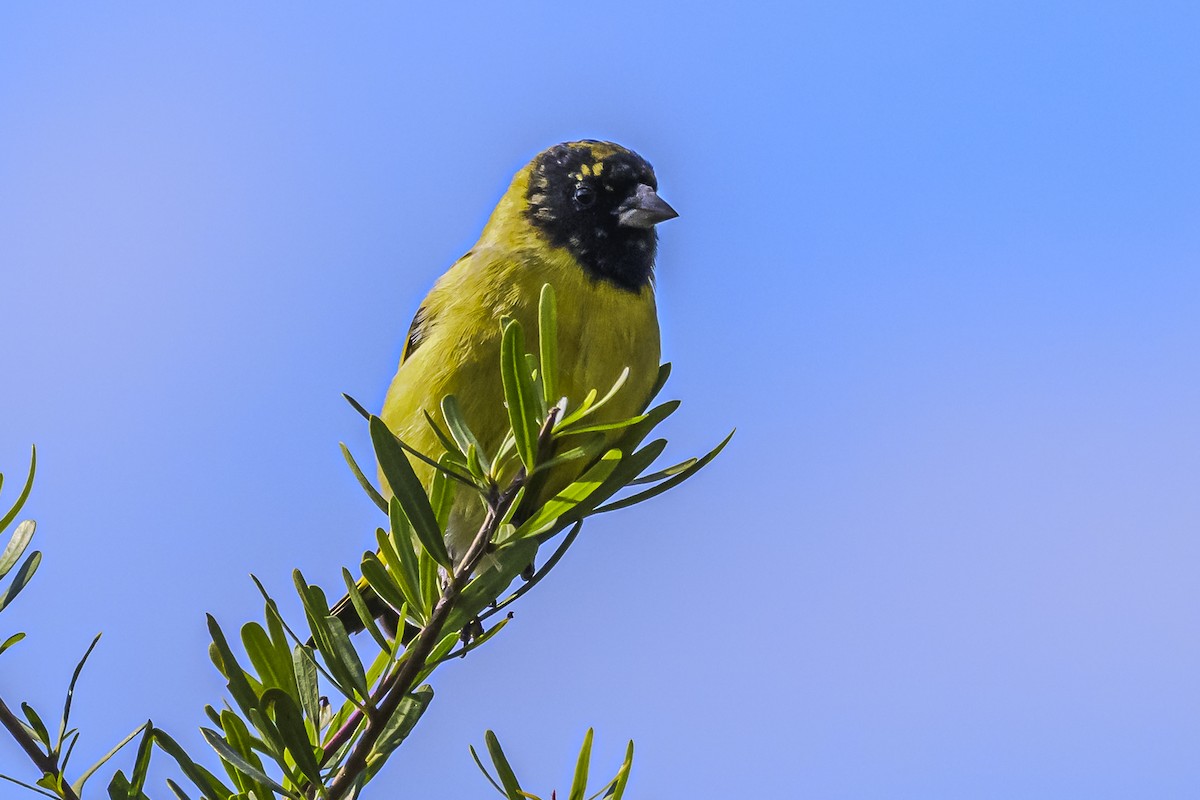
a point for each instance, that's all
(44, 762)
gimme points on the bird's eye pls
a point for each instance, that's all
(585, 196)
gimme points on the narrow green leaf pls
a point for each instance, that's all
(16, 545)
(20, 502)
(508, 779)
(367, 486)
(21, 578)
(347, 657)
(519, 394)
(408, 490)
(242, 764)
(141, 762)
(451, 446)
(205, 781)
(290, 723)
(579, 783)
(669, 483)
(441, 495)
(401, 723)
(602, 427)
(398, 553)
(357, 406)
(571, 496)
(629, 468)
(655, 477)
(360, 607)
(39, 727)
(461, 432)
(262, 655)
(387, 587)
(240, 688)
(664, 372)
(431, 583)
(548, 343)
(66, 714)
(305, 669)
(10, 641)
(29, 786)
(145, 729)
(623, 774)
(486, 774)
(589, 448)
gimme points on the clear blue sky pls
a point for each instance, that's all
(938, 262)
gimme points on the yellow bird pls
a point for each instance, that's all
(581, 217)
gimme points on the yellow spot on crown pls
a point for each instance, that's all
(598, 167)
(586, 170)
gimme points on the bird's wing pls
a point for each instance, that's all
(418, 331)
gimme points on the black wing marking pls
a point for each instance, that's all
(418, 332)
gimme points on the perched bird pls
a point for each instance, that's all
(581, 216)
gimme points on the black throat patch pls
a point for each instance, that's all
(573, 199)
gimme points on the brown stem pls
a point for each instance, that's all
(44, 762)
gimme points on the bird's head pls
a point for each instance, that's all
(599, 202)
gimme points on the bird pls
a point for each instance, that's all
(581, 216)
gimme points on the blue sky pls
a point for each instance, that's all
(936, 261)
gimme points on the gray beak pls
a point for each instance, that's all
(645, 209)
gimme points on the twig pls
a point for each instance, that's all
(44, 762)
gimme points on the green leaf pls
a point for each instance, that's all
(357, 406)
(371, 491)
(629, 468)
(29, 786)
(602, 427)
(587, 409)
(519, 394)
(240, 688)
(378, 578)
(347, 657)
(305, 669)
(441, 495)
(16, 545)
(10, 641)
(664, 372)
(205, 781)
(623, 774)
(579, 783)
(141, 762)
(408, 490)
(264, 658)
(589, 448)
(35, 722)
(401, 723)
(464, 437)
(570, 497)
(398, 554)
(508, 779)
(669, 483)
(242, 764)
(179, 793)
(483, 769)
(290, 723)
(548, 343)
(22, 577)
(20, 503)
(655, 477)
(90, 771)
(451, 446)
(360, 607)
(66, 714)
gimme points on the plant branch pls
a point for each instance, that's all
(44, 762)
(395, 687)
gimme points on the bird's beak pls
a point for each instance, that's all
(645, 209)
